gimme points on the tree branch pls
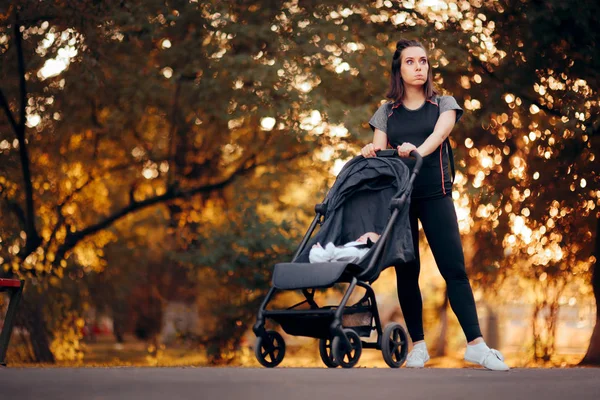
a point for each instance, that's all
(59, 224)
(22, 81)
(9, 114)
(517, 90)
(132, 194)
(18, 211)
(70, 196)
(172, 193)
(33, 238)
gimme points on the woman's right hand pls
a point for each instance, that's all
(369, 150)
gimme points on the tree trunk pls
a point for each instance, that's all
(492, 336)
(550, 320)
(592, 357)
(118, 332)
(31, 317)
(536, 334)
(440, 348)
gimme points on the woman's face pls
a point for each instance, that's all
(414, 68)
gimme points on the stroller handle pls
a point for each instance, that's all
(394, 153)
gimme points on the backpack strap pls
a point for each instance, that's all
(451, 159)
(449, 152)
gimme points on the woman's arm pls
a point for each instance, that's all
(380, 139)
(442, 130)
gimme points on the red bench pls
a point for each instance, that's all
(15, 288)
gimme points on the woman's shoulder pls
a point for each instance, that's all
(446, 103)
(379, 119)
(440, 99)
(385, 105)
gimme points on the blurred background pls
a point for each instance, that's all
(157, 158)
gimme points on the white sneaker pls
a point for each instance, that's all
(417, 357)
(481, 354)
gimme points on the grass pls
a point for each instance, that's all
(104, 352)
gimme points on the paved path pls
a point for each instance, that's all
(298, 383)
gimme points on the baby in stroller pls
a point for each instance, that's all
(349, 252)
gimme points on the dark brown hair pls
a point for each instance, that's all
(396, 91)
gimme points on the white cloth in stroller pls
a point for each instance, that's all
(350, 252)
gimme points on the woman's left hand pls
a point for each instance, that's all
(405, 149)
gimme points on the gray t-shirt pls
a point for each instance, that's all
(401, 125)
(445, 103)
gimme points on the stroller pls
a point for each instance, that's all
(355, 204)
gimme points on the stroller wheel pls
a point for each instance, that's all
(347, 358)
(326, 353)
(270, 350)
(394, 345)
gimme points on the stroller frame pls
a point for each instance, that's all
(336, 341)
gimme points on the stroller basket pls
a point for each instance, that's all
(359, 317)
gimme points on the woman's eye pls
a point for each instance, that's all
(409, 62)
(423, 62)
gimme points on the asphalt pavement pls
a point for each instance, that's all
(298, 383)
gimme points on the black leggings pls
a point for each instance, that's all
(440, 224)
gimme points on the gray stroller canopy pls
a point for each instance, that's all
(359, 202)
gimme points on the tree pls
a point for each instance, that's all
(115, 123)
(538, 99)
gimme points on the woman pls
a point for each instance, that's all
(418, 119)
